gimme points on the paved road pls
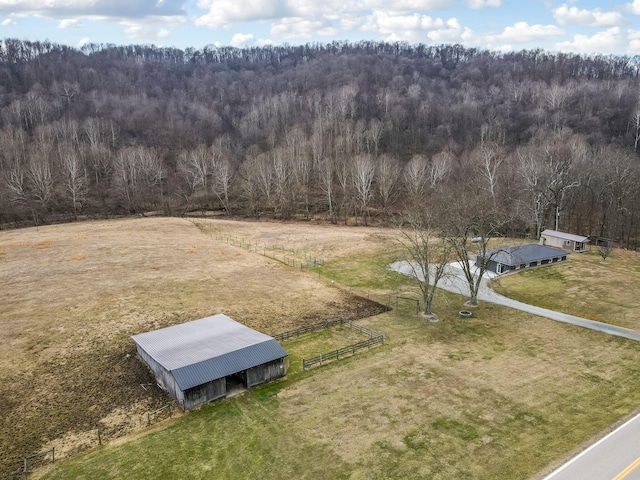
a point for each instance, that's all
(454, 281)
(615, 457)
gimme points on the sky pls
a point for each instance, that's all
(578, 26)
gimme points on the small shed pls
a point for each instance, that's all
(502, 260)
(565, 241)
(197, 361)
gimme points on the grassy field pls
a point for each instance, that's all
(502, 395)
(584, 286)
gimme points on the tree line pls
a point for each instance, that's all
(350, 132)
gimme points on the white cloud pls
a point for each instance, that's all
(8, 23)
(241, 39)
(401, 5)
(143, 32)
(634, 7)
(71, 23)
(611, 41)
(415, 28)
(566, 15)
(478, 4)
(224, 13)
(83, 42)
(261, 42)
(299, 28)
(110, 9)
(522, 32)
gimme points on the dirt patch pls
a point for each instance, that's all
(72, 295)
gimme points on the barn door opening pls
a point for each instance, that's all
(236, 383)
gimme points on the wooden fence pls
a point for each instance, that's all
(152, 415)
(309, 328)
(40, 455)
(375, 338)
(342, 352)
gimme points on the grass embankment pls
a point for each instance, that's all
(499, 396)
(583, 286)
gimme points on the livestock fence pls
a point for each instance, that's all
(155, 415)
(310, 328)
(37, 460)
(400, 303)
(289, 256)
(374, 339)
(342, 352)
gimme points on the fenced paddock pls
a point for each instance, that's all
(342, 352)
(405, 305)
(374, 339)
(289, 256)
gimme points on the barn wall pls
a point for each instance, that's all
(205, 393)
(556, 242)
(266, 372)
(163, 376)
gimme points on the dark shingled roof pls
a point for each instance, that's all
(204, 350)
(532, 252)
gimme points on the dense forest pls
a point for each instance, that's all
(347, 132)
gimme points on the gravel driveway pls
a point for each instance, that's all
(454, 281)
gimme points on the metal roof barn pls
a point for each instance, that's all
(197, 361)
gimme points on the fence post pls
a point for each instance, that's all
(99, 438)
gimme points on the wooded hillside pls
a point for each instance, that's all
(342, 131)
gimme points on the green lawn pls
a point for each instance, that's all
(583, 286)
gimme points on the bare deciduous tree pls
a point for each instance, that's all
(387, 180)
(427, 257)
(440, 167)
(416, 177)
(363, 170)
(469, 226)
(74, 178)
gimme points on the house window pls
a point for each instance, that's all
(499, 268)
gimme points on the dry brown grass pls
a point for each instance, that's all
(71, 296)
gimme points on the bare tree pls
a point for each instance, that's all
(325, 179)
(363, 170)
(440, 167)
(40, 176)
(635, 123)
(469, 226)
(490, 157)
(387, 180)
(416, 175)
(74, 178)
(427, 257)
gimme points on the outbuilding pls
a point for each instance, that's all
(565, 241)
(198, 361)
(502, 260)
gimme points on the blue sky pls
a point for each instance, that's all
(579, 26)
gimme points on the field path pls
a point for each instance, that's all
(454, 281)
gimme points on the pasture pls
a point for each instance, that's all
(501, 395)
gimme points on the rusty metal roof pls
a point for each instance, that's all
(203, 350)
